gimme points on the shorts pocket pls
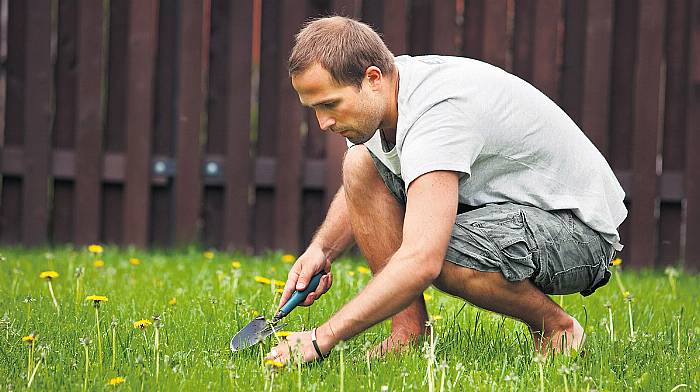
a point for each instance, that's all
(576, 279)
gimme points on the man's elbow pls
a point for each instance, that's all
(426, 267)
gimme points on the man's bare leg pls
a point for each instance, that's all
(552, 328)
(377, 223)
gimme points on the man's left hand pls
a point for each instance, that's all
(297, 343)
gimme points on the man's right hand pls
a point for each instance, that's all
(312, 261)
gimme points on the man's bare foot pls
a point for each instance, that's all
(395, 343)
(560, 340)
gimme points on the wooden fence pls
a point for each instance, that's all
(166, 122)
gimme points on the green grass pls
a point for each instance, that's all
(473, 349)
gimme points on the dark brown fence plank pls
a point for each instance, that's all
(63, 135)
(645, 138)
(523, 38)
(495, 38)
(625, 27)
(163, 140)
(188, 115)
(10, 209)
(444, 27)
(395, 25)
(545, 61)
(286, 230)
(237, 126)
(88, 146)
(571, 86)
(267, 119)
(472, 29)
(420, 30)
(596, 73)
(114, 138)
(670, 213)
(692, 170)
(37, 122)
(138, 118)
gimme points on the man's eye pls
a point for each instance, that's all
(329, 105)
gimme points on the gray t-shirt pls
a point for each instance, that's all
(506, 138)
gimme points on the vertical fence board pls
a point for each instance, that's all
(161, 201)
(63, 135)
(289, 166)
(10, 208)
(114, 137)
(545, 67)
(621, 97)
(238, 123)
(692, 171)
(395, 25)
(596, 73)
(645, 138)
(472, 29)
(267, 115)
(188, 115)
(571, 86)
(88, 146)
(37, 122)
(670, 213)
(523, 37)
(444, 27)
(420, 31)
(140, 63)
(495, 39)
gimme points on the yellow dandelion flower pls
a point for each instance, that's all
(116, 381)
(235, 264)
(98, 263)
(437, 317)
(263, 280)
(143, 323)
(134, 261)
(427, 297)
(274, 364)
(29, 338)
(282, 334)
(364, 270)
(48, 275)
(95, 249)
(288, 258)
(617, 261)
(208, 255)
(173, 301)
(279, 291)
(351, 273)
(97, 298)
(255, 313)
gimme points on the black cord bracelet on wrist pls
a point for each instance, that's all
(315, 343)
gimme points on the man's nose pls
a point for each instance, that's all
(325, 122)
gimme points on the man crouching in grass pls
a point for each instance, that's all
(458, 174)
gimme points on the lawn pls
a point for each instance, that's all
(642, 330)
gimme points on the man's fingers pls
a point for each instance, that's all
(304, 277)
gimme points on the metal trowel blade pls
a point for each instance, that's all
(254, 332)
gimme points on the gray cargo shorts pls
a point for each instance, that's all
(553, 249)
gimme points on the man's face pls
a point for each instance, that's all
(345, 110)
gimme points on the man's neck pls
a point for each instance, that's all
(388, 126)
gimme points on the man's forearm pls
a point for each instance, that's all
(387, 293)
(335, 233)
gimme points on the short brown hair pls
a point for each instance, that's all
(342, 46)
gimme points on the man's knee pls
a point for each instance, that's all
(358, 168)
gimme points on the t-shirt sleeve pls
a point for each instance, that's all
(442, 138)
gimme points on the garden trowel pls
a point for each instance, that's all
(259, 328)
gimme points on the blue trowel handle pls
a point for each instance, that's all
(299, 296)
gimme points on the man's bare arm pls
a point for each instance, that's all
(430, 216)
(332, 238)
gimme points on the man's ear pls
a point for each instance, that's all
(374, 76)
